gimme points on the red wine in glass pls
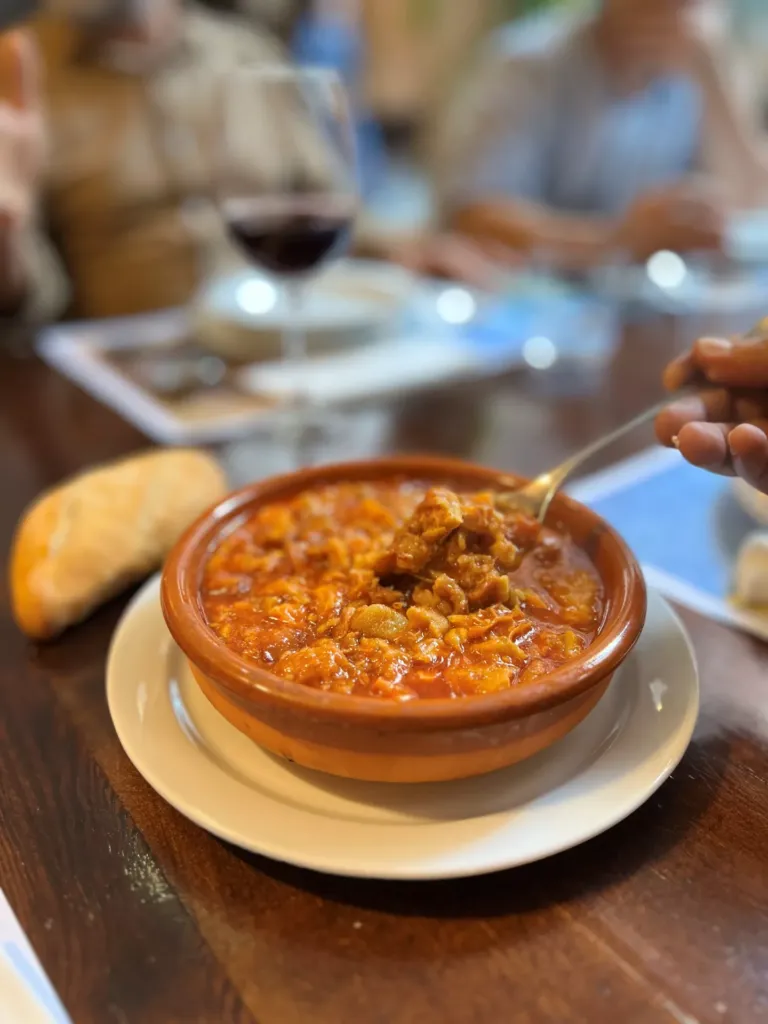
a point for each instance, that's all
(286, 182)
(289, 239)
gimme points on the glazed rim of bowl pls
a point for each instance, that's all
(248, 683)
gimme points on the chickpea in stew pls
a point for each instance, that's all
(395, 589)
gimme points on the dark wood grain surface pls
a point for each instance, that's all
(141, 917)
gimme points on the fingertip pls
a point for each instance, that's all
(746, 439)
(670, 421)
(703, 445)
(708, 351)
(734, 364)
(748, 445)
(678, 372)
(662, 429)
(672, 378)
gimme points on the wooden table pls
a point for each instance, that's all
(139, 916)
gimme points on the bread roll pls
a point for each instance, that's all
(84, 541)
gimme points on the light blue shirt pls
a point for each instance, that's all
(543, 123)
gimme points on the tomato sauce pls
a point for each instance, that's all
(398, 589)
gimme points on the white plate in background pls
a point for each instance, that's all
(26, 994)
(746, 236)
(679, 287)
(242, 315)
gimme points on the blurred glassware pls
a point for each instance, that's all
(241, 315)
(329, 35)
(287, 190)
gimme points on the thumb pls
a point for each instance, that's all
(740, 363)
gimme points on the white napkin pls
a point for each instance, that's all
(367, 371)
(26, 994)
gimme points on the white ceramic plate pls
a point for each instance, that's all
(746, 236)
(741, 293)
(243, 314)
(597, 775)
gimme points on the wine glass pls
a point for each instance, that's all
(286, 183)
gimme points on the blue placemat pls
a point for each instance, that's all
(575, 326)
(684, 526)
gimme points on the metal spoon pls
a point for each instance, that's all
(535, 498)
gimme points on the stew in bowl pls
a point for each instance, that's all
(390, 620)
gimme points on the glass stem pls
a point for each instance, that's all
(294, 334)
(294, 340)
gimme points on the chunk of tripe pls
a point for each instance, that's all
(378, 620)
(417, 541)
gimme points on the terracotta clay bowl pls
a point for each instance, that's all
(422, 740)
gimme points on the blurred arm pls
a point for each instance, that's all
(31, 280)
(492, 163)
(408, 64)
(565, 241)
(732, 149)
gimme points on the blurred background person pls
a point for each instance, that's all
(329, 34)
(30, 278)
(128, 190)
(346, 35)
(279, 17)
(749, 32)
(130, 176)
(548, 153)
(589, 138)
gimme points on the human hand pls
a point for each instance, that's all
(454, 257)
(683, 218)
(724, 428)
(21, 157)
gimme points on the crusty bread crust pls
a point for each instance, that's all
(85, 541)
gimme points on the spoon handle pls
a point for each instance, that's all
(565, 468)
(536, 496)
(560, 472)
